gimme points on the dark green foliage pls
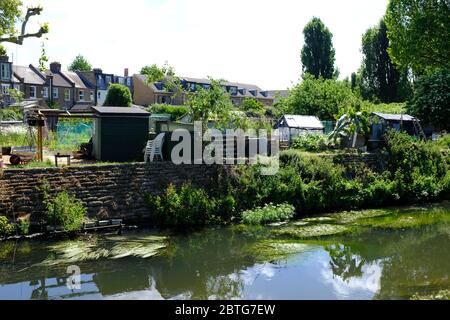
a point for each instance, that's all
(118, 96)
(318, 52)
(189, 206)
(176, 112)
(380, 79)
(253, 107)
(417, 168)
(80, 64)
(419, 33)
(416, 171)
(324, 98)
(431, 102)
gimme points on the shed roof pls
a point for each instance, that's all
(309, 122)
(394, 117)
(121, 111)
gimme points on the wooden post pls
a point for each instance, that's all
(40, 153)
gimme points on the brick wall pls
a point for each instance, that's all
(113, 191)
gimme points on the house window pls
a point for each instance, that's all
(17, 86)
(108, 79)
(129, 82)
(55, 93)
(45, 92)
(81, 95)
(5, 71)
(121, 81)
(67, 95)
(33, 92)
(92, 95)
(5, 88)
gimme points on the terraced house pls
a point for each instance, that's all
(100, 81)
(150, 93)
(54, 87)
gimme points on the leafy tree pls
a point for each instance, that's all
(431, 102)
(11, 15)
(318, 52)
(210, 104)
(80, 63)
(253, 107)
(419, 33)
(380, 79)
(118, 96)
(324, 98)
(164, 74)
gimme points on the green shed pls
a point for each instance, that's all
(120, 133)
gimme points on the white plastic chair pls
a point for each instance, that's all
(154, 148)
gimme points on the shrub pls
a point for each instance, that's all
(310, 142)
(415, 166)
(269, 213)
(118, 96)
(176, 112)
(24, 227)
(6, 228)
(65, 210)
(189, 207)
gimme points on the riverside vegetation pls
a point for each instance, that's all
(416, 172)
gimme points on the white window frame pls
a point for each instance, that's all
(34, 96)
(5, 72)
(66, 94)
(16, 86)
(55, 93)
(45, 92)
(5, 88)
(80, 95)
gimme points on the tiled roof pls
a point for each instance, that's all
(58, 80)
(28, 75)
(75, 79)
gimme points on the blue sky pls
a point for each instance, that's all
(250, 41)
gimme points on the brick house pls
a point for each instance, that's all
(150, 93)
(100, 81)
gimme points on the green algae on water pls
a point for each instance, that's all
(270, 250)
(312, 231)
(107, 248)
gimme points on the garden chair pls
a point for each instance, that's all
(154, 148)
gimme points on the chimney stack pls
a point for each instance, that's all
(125, 73)
(55, 67)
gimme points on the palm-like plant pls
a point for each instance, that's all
(350, 123)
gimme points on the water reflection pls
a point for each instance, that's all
(216, 264)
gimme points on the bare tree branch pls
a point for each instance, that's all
(23, 35)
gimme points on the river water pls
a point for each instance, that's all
(374, 254)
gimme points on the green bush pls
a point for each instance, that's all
(189, 207)
(310, 142)
(66, 211)
(24, 227)
(176, 112)
(6, 228)
(118, 96)
(415, 166)
(268, 214)
(431, 102)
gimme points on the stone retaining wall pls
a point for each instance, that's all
(112, 191)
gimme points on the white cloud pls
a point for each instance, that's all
(254, 41)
